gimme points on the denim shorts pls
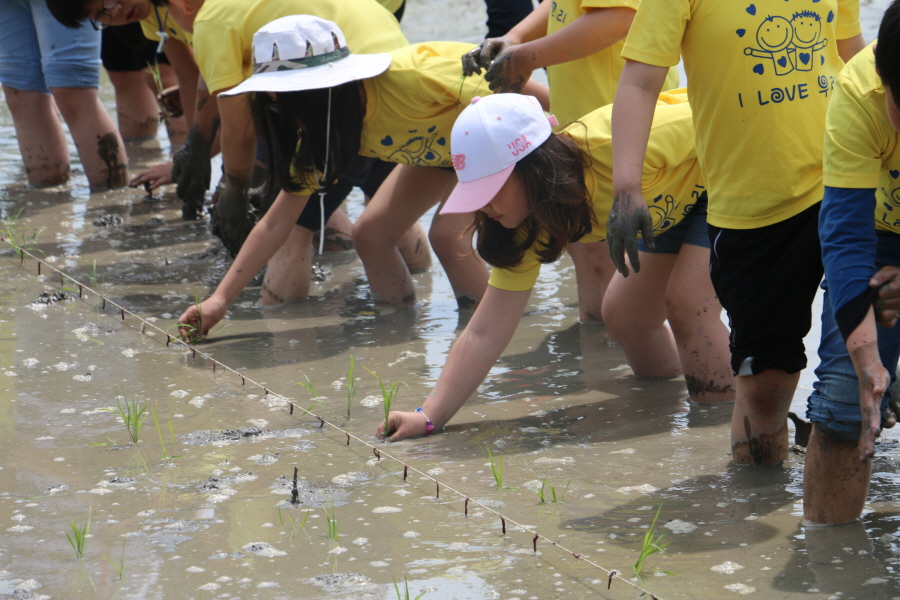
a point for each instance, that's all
(37, 52)
(691, 230)
(834, 405)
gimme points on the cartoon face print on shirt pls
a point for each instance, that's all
(788, 42)
(887, 213)
(428, 150)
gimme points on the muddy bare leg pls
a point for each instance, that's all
(40, 135)
(451, 239)
(759, 433)
(593, 271)
(835, 481)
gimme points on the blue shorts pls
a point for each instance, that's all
(37, 52)
(834, 405)
(691, 230)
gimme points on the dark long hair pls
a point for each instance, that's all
(559, 204)
(73, 13)
(302, 117)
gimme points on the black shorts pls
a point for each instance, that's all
(367, 174)
(124, 48)
(766, 279)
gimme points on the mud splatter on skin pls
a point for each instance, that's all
(763, 450)
(803, 429)
(696, 387)
(465, 301)
(108, 150)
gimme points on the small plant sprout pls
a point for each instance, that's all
(17, 236)
(131, 413)
(154, 412)
(119, 565)
(351, 385)
(79, 535)
(92, 272)
(496, 468)
(332, 522)
(552, 497)
(650, 546)
(388, 394)
(405, 595)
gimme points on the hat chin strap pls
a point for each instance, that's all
(324, 176)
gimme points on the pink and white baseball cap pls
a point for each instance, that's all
(489, 137)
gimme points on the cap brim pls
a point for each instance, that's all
(470, 196)
(350, 68)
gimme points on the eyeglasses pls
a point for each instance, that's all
(104, 17)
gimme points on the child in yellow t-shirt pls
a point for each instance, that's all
(538, 192)
(853, 397)
(324, 112)
(761, 75)
(579, 42)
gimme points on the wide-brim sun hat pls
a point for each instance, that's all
(489, 137)
(303, 52)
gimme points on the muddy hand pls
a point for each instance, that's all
(192, 170)
(402, 425)
(154, 177)
(887, 300)
(170, 101)
(232, 219)
(481, 57)
(873, 382)
(628, 217)
(510, 71)
(194, 324)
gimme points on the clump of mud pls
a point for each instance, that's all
(205, 437)
(47, 298)
(109, 220)
(337, 581)
(320, 273)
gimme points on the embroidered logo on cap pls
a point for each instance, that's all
(519, 145)
(459, 161)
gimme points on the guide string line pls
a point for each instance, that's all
(377, 451)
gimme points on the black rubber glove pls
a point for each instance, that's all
(626, 220)
(192, 170)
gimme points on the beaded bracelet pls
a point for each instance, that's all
(429, 426)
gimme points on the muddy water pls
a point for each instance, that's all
(200, 507)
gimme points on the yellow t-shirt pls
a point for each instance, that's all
(223, 32)
(860, 142)
(159, 20)
(411, 107)
(577, 87)
(392, 5)
(761, 74)
(671, 178)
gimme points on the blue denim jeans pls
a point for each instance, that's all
(37, 52)
(834, 405)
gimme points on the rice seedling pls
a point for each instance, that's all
(16, 235)
(92, 275)
(405, 595)
(351, 385)
(154, 412)
(79, 535)
(650, 546)
(552, 497)
(497, 468)
(388, 395)
(131, 413)
(332, 522)
(119, 565)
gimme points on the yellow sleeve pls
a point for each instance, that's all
(671, 139)
(656, 33)
(853, 140)
(219, 56)
(848, 24)
(520, 278)
(437, 68)
(586, 4)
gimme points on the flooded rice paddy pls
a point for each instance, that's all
(205, 504)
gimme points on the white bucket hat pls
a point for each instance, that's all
(303, 52)
(489, 137)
